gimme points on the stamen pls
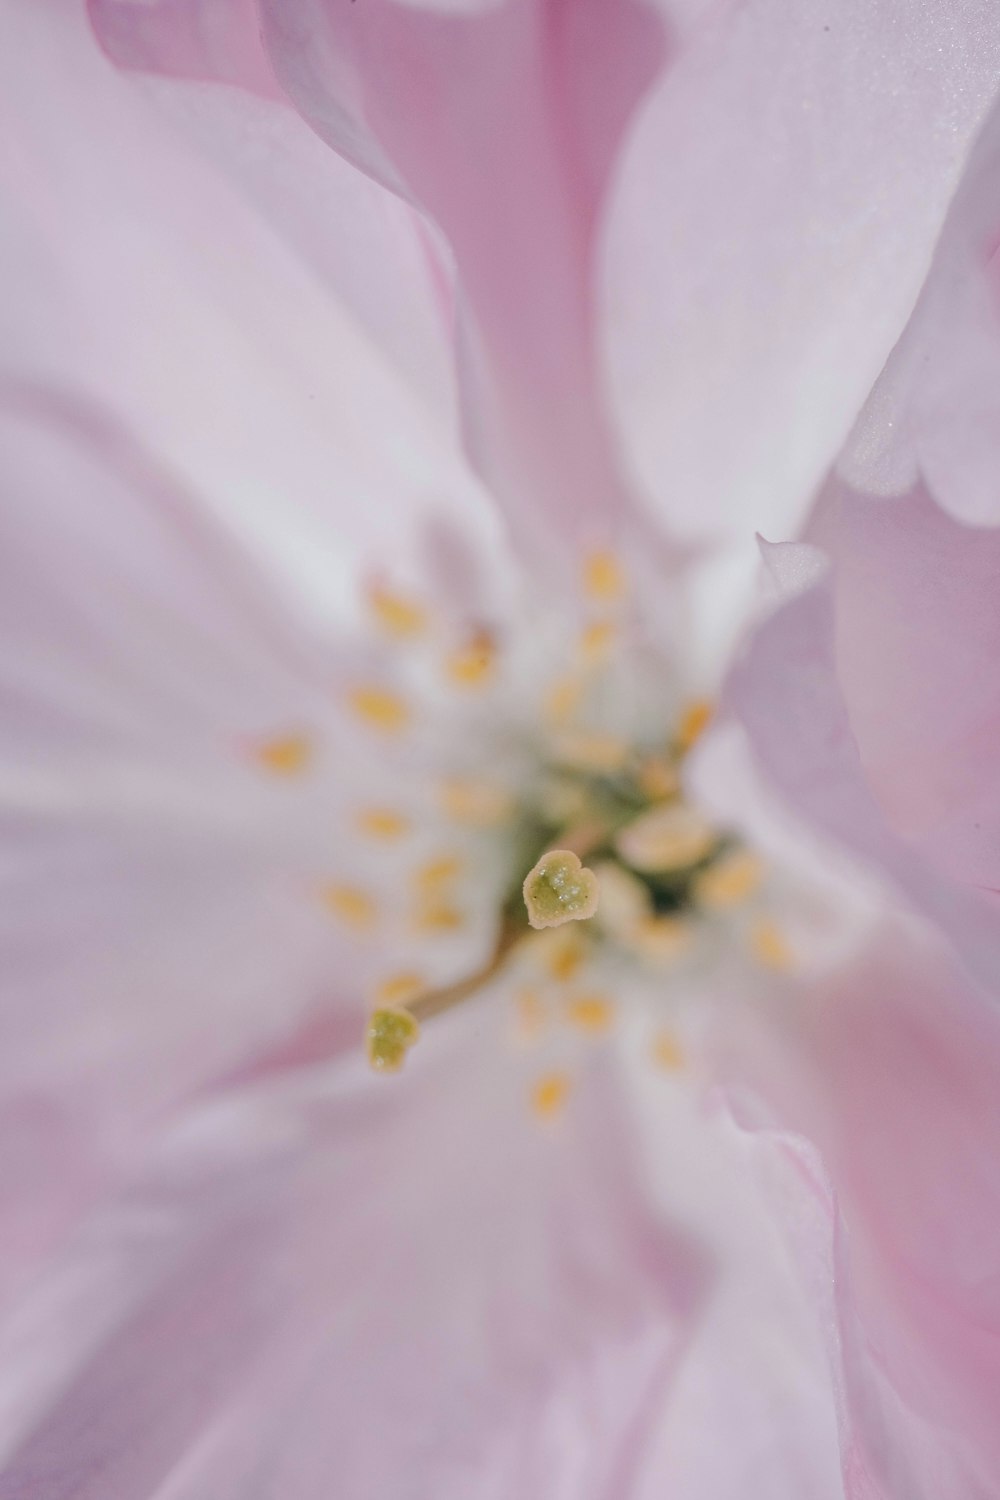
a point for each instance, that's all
(625, 901)
(694, 721)
(667, 1052)
(603, 576)
(590, 1013)
(671, 837)
(563, 699)
(472, 665)
(285, 756)
(430, 877)
(549, 1095)
(379, 708)
(596, 641)
(351, 904)
(563, 952)
(658, 778)
(730, 881)
(769, 948)
(663, 940)
(481, 803)
(391, 1034)
(399, 989)
(382, 823)
(560, 889)
(602, 754)
(395, 613)
(437, 916)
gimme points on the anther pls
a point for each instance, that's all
(603, 576)
(395, 613)
(379, 708)
(549, 1095)
(351, 904)
(285, 756)
(670, 837)
(560, 889)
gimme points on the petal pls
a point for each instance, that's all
(934, 411)
(517, 192)
(401, 1290)
(788, 693)
(890, 1069)
(774, 217)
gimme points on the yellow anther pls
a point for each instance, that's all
(667, 1052)
(562, 952)
(396, 614)
(399, 989)
(382, 823)
(591, 1013)
(562, 799)
(430, 877)
(286, 755)
(663, 940)
(391, 1033)
(603, 576)
(379, 708)
(531, 1016)
(549, 1095)
(585, 751)
(769, 948)
(560, 889)
(667, 838)
(658, 778)
(351, 904)
(473, 800)
(730, 881)
(473, 664)
(596, 641)
(437, 916)
(694, 720)
(563, 699)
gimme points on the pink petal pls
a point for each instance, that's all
(217, 41)
(778, 203)
(402, 1290)
(797, 704)
(891, 1071)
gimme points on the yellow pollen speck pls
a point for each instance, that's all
(429, 878)
(730, 880)
(285, 756)
(395, 613)
(663, 940)
(603, 576)
(590, 1013)
(382, 823)
(584, 751)
(667, 1052)
(549, 1095)
(437, 916)
(390, 1035)
(670, 837)
(563, 699)
(379, 709)
(470, 799)
(596, 641)
(399, 989)
(351, 905)
(693, 722)
(560, 889)
(531, 1015)
(658, 778)
(473, 664)
(769, 948)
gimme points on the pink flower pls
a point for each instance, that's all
(361, 547)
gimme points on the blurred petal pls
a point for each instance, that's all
(398, 1291)
(205, 39)
(789, 696)
(146, 280)
(891, 1071)
(517, 193)
(935, 410)
(776, 211)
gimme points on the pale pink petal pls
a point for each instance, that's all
(798, 712)
(935, 410)
(146, 279)
(890, 1069)
(504, 127)
(158, 921)
(404, 1290)
(774, 218)
(219, 40)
